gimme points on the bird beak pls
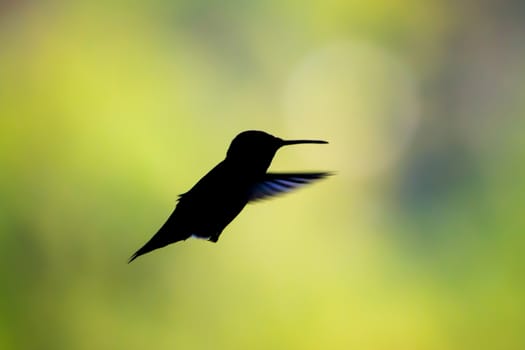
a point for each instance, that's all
(295, 142)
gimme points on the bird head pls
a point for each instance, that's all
(256, 149)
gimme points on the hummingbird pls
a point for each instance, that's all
(216, 199)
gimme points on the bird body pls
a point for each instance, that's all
(216, 199)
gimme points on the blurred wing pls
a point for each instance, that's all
(274, 184)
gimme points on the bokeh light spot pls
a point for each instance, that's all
(360, 97)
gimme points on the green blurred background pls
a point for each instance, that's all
(110, 109)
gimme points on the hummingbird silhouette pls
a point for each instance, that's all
(211, 204)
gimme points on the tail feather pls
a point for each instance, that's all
(145, 249)
(159, 240)
(152, 244)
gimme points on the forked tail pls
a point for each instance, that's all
(148, 247)
(159, 240)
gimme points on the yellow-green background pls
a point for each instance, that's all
(109, 109)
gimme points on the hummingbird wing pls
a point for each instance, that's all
(276, 183)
